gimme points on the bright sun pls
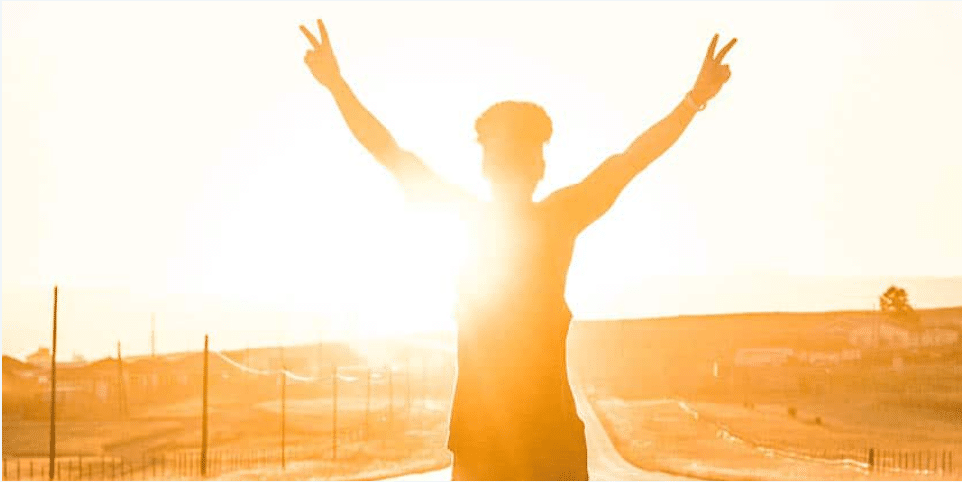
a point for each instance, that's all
(415, 278)
(378, 268)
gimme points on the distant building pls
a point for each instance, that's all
(829, 358)
(888, 335)
(40, 358)
(759, 357)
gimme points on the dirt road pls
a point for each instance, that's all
(604, 461)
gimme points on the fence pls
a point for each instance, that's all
(931, 462)
(358, 406)
(175, 464)
(154, 432)
(924, 462)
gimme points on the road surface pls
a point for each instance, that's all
(604, 461)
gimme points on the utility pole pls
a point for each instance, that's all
(334, 411)
(367, 407)
(878, 324)
(121, 405)
(53, 390)
(203, 436)
(624, 340)
(390, 396)
(153, 337)
(247, 363)
(283, 420)
(320, 357)
(407, 389)
(424, 391)
(283, 412)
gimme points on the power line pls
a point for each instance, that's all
(290, 374)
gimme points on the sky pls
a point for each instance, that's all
(159, 152)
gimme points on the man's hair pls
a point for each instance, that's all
(515, 121)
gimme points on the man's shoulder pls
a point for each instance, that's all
(560, 209)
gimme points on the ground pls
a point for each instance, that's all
(734, 441)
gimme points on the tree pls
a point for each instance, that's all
(895, 303)
(895, 300)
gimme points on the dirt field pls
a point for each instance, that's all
(726, 441)
(828, 426)
(244, 442)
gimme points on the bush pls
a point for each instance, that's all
(792, 412)
(818, 420)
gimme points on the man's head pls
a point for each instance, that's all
(512, 135)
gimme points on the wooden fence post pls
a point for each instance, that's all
(53, 393)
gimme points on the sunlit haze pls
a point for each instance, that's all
(178, 158)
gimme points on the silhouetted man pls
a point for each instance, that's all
(513, 416)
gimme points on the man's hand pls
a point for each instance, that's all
(713, 73)
(321, 59)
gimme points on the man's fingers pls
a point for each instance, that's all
(725, 49)
(726, 73)
(711, 49)
(310, 37)
(320, 28)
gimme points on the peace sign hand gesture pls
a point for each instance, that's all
(321, 59)
(713, 73)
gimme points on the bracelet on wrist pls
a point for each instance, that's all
(690, 101)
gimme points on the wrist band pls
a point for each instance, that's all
(691, 103)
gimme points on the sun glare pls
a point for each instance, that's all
(415, 290)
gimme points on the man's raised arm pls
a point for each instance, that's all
(585, 202)
(417, 179)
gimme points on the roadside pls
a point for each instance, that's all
(673, 436)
